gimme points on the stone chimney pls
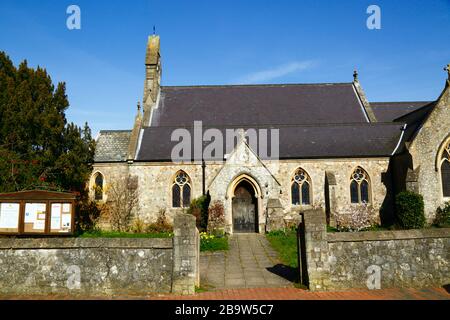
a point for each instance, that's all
(362, 97)
(152, 77)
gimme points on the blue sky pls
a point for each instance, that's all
(227, 42)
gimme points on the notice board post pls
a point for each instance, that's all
(37, 212)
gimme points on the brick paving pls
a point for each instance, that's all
(250, 262)
(270, 294)
(299, 294)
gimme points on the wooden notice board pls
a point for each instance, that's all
(37, 213)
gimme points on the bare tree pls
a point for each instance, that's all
(122, 202)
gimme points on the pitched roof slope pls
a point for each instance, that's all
(258, 105)
(296, 142)
(389, 111)
(112, 146)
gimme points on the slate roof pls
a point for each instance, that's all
(290, 104)
(389, 111)
(112, 146)
(296, 142)
(315, 120)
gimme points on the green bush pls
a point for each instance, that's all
(410, 210)
(199, 208)
(443, 216)
(87, 216)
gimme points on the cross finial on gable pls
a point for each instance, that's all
(355, 75)
(447, 68)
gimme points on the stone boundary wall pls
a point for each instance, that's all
(102, 266)
(374, 259)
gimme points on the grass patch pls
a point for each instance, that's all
(213, 244)
(115, 234)
(285, 243)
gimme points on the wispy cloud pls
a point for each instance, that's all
(277, 72)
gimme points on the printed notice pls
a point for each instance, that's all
(39, 225)
(56, 216)
(66, 208)
(34, 211)
(9, 215)
(66, 221)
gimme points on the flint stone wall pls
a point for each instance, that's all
(101, 266)
(156, 180)
(406, 258)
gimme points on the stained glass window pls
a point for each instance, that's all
(445, 171)
(176, 197)
(186, 195)
(181, 190)
(300, 188)
(98, 186)
(360, 186)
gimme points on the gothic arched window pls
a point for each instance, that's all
(181, 190)
(445, 171)
(98, 186)
(359, 186)
(301, 188)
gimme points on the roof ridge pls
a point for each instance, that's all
(104, 131)
(348, 124)
(256, 85)
(398, 102)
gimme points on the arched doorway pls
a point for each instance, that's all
(245, 208)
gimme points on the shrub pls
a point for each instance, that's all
(410, 210)
(138, 226)
(87, 216)
(199, 208)
(216, 218)
(443, 215)
(161, 225)
(360, 217)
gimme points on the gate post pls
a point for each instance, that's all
(186, 254)
(315, 250)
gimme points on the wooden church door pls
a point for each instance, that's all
(244, 209)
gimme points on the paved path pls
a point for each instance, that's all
(250, 262)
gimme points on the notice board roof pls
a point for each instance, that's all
(37, 195)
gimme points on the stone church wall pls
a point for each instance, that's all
(156, 180)
(342, 170)
(425, 149)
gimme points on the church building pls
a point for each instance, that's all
(328, 147)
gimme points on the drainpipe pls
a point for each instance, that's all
(203, 177)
